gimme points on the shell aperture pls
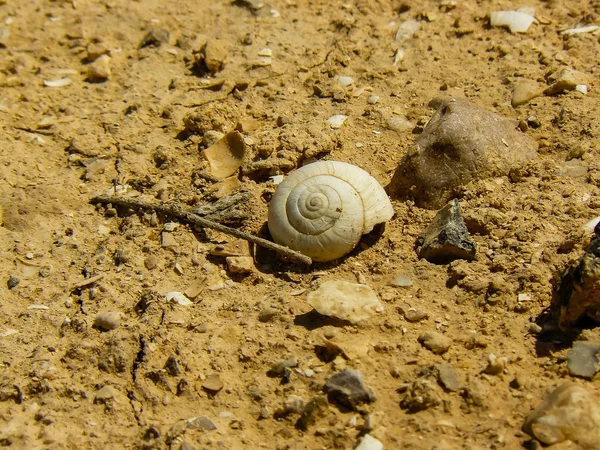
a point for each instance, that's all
(323, 208)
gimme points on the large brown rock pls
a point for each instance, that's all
(461, 142)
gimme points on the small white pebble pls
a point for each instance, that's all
(359, 145)
(373, 99)
(582, 88)
(171, 226)
(345, 81)
(524, 298)
(337, 121)
(265, 52)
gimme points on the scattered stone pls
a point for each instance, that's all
(420, 395)
(99, 70)
(282, 366)
(12, 282)
(345, 81)
(226, 155)
(436, 342)
(577, 293)
(172, 366)
(201, 423)
(368, 442)
(240, 264)
(213, 383)
(151, 262)
(94, 51)
(495, 365)
(344, 300)
(185, 445)
(516, 21)
(373, 99)
(267, 314)
(447, 237)
(108, 321)
(178, 298)
(346, 388)
(317, 407)
(415, 315)
(293, 405)
(155, 37)
(214, 55)
(524, 91)
(570, 412)
(337, 121)
(448, 377)
(582, 359)
(399, 124)
(105, 394)
(168, 240)
(400, 280)
(461, 142)
(566, 80)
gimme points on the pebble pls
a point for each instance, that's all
(420, 395)
(525, 91)
(240, 264)
(267, 314)
(495, 365)
(107, 321)
(576, 295)
(178, 298)
(94, 51)
(436, 342)
(461, 142)
(400, 280)
(415, 315)
(155, 37)
(168, 240)
(368, 442)
(446, 238)
(337, 121)
(570, 412)
(373, 99)
(215, 53)
(399, 124)
(317, 407)
(566, 80)
(344, 300)
(293, 405)
(582, 359)
(201, 423)
(99, 70)
(280, 367)
(105, 394)
(516, 21)
(151, 262)
(346, 388)
(213, 383)
(12, 282)
(448, 377)
(345, 81)
(226, 155)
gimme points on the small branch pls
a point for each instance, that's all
(176, 210)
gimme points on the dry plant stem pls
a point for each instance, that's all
(176, 210)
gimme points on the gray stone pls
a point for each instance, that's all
(448, 377)
(346, 388)
(108, 321)
(436, 342)
(105, 394)
(13, 282)
(577, 293)
(267, 314)
(213, 383)
(155, 37)
(570, 412)
(447, 237)
(201, 423)
(461, 142)
(582, 360)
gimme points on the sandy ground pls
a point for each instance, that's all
(144, 126)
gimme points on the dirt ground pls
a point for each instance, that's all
(144, 126)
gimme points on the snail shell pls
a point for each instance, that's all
(323, 208)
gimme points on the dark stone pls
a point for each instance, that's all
(462, 142)
(446, 238)
(346, 388)
(13, 282)
(582, 359)
(201, 423)
(172, 366)
(577, 292)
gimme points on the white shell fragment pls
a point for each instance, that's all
(347, 301)
(588, 29)
(345, 81)
(337, 121)
(323, 208)
(516, 21)
(407, 29)
(57, 83)
(265, 52)
(368, 442)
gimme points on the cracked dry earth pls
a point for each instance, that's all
(202, 375)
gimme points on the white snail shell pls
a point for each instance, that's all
(323, 208)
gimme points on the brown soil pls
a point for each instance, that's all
(60, 146)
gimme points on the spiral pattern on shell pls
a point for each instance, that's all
(323, 208)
